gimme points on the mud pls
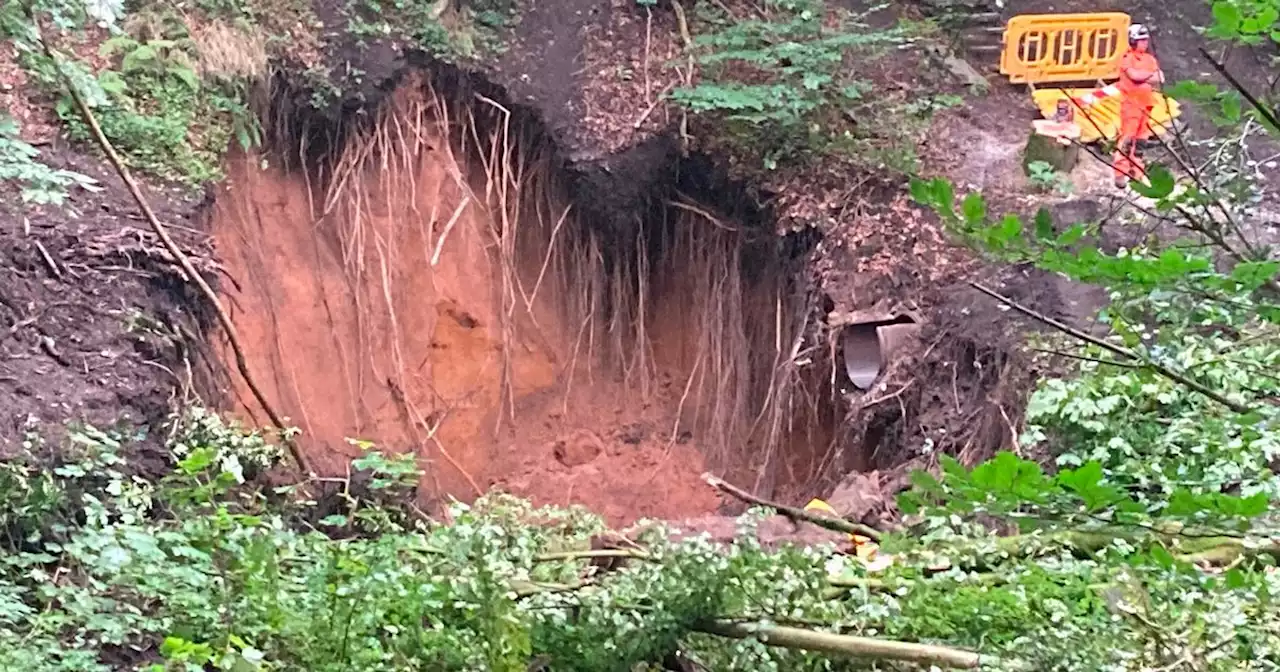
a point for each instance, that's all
(95, 324)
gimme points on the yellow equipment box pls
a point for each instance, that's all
(1076, 48)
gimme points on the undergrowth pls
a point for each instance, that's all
(170, 99)
(206, 569)
(38, 183)
(787, 82)
(173, 85)
(447, 29)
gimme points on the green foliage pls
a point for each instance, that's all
(1012, 487)
(1173, 308)
(466, 35)
(40, 184)
(205, 570)
(1161, 437)
(784, 90)
(152, 105)
(1224, 107)
(1246, 21)
(1045, 177)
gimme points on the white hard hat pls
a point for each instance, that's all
(1138, 32)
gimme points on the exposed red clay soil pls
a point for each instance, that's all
(384, 321)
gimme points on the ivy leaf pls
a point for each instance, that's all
(1226, 17)
(1162, 183)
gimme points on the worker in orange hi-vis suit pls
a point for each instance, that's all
(1139, 72)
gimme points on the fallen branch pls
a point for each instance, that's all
(850, 645)
(826, 522)
(223, 318)
(1114, 349)
(593, 554)
(1201, 550)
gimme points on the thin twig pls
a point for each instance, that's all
(699, 211)
(1115, 349)
(48, 260)
(1262, 110)
(683, 22)
(652, 106)
(1084, 358)
(827, 522)
(594, 553)
(648, 39)
(223, 318)
(887, 397)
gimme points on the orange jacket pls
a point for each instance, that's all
(1133, 91)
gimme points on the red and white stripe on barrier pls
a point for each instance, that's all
(1098, 94)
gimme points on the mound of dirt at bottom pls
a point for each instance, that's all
(94, 324)
(631, 471)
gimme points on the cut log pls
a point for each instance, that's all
(1062, 157)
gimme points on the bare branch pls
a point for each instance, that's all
(1114, 349)
(826, 522)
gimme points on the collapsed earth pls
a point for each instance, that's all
(639, 335)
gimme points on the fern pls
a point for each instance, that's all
(780, 82)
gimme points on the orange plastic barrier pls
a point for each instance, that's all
(1064, 47)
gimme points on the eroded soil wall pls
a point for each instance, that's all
(433, 288)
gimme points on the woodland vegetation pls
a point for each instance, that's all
(1142, 538)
